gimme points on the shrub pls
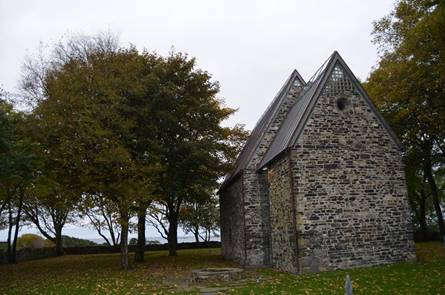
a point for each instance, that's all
(68, 241)
(33, 241)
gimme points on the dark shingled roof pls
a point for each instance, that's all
(262, 125)
(298, 115)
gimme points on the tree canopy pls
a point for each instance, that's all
(408, 87)
(121, 129)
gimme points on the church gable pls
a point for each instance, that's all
(349, 182)
(333, 77)
(342, 81)
(267, 125)
(342, 109)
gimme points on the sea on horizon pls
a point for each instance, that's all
(181, 239)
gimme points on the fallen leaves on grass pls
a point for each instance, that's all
(100, 274)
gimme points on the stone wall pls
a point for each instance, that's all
(232, 222)
(282, 217)
(253, 222)
(256, 191)
(349, 182)
(337, 199)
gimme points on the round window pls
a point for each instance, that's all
(342, 103)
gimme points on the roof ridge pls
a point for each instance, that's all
(262, 125)
(322, 67)
(300, 112)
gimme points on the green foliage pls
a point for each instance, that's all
(76, 242)
(98, 274)
(408, 83)
(17, 170)
(125, 127)
(5, 124)
(194, 150)
(407, 87)
(16, 158)
(84, 120)
(33, 241)
(36, 241)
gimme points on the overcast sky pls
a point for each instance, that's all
(250, 47)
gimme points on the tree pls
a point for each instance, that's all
(130, 127)
(141, 210)
(76, 242)
(201, 219)
(103, 216)
(32, 241)
(16, 170)
(407, 85)
(5, 144)
(418, 193)
(49, 206)
(193, 144)
(84, 97)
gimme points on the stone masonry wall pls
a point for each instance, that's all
(283, 240)
(351, 199)
(232, 222)
(256, 192)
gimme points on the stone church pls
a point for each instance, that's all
(320, 183)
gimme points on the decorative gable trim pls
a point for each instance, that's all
(261, 128)
(300, 113)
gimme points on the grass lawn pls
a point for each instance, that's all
(100, 274)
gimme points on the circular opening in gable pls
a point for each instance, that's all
(342, 103)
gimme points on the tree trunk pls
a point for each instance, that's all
(124, 238)
(114, 239)
(9, 246)
(196, 233)
(422, 215)
(172, 234)
(435, 195)
(140, 247)
(13, 257)
(58, 240)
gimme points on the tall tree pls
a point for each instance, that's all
(5, 144)
(85, 98)
(49, 205)
(16, 170)
(407, 84)
(418, 193)
(193, 144)
(141, 210)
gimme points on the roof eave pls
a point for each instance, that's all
(228, 182)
